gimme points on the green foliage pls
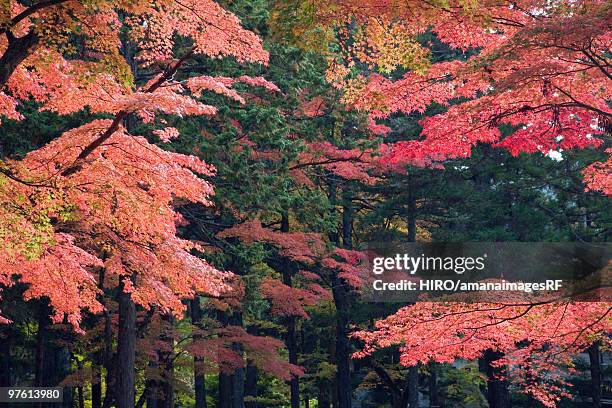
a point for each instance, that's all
(461, 387)
(295, 23)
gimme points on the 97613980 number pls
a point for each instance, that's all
(31, 394)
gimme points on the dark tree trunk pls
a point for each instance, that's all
(60, 367)
(434, 400)
(40, 353)
(152, 401)
(332, 195)
(41, 349)
(166, 358)
(103, 358)
(411, 218)
(343, 349)
(80, 396)
(497, 387)
(168, 389)
(293, 359)
(323, 399)
(237, 379)
(225, 380)
(412, 387)
(80, 387)
(411, 212)
(5, 361)
(291, 321)
(411, 391)
(199, 379)
(199, 383)
(399, 398)
(250, 388)
(96, 385)
(340, 292)
(96, 379)
(19, 48)
(347, 219)
(252, 376)
(159, 389)
(126, 352)
(225, 390)
(594, 358)
(408, 395)
(238, 384)
(152, 388)
(109, 397)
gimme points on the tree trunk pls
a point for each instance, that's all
(250, 388)
(293, 359)
(411, 218)
(323, 399)
(594, 357)
(225, 390)
(41, 346)
(250, 384)
(5, 361)
(166, 358)
(152, 388)
(60, 368)
(291, 336)
(412, 387)
(168, 388)
(19, 48)
(225, 380)
(96, 379)
(332, 196)
(199, 383)
(340, 292)
(434, 400)
(80, 396)
(238, 384)
(497, 388)
(347, 219)
(80, 387)
(159, 388)
(237, 379)
(411, 391)
(199, 379)
(109, 396)
(399, 398)
(126, 352)
(103, 358)
(40, 352)
(96, 384)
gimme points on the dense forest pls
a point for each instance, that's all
(187, 189)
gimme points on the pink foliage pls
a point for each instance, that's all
(536, 339)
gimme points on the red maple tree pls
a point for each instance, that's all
(540, 68)
(97, 196)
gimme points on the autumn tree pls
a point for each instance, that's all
(541, 68)
(98, 198)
